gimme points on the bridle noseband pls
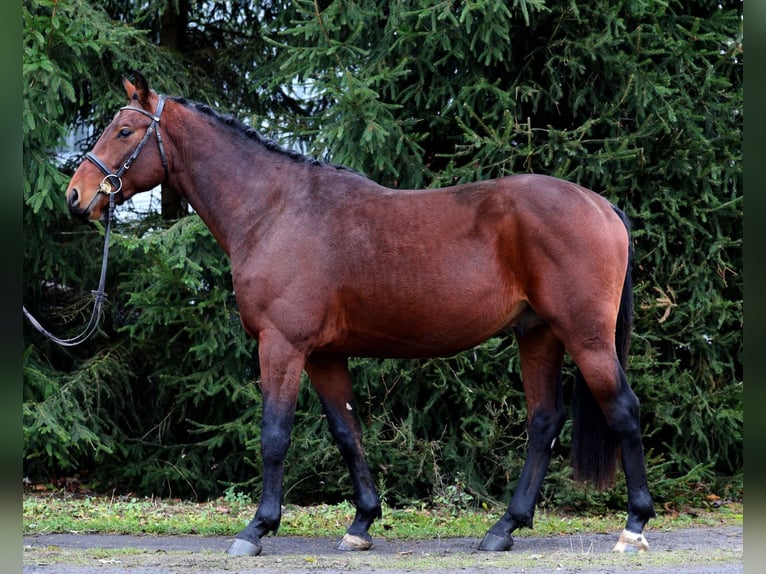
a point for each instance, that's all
(112, 182)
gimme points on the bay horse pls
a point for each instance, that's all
(327, 265)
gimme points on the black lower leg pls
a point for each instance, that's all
(543, 429)
(624, 422)
(275, 441)
(346, 430)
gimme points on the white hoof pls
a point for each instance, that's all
(351, 542)
(631, 542)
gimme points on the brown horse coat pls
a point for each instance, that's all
(328, 264)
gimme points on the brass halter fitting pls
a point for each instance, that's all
(107, 185)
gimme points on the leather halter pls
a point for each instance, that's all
(112, 184)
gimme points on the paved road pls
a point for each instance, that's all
(686, 551)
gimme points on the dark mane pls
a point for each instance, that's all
(253, 134)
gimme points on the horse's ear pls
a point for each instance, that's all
(137, 89)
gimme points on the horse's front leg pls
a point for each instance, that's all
(332, 381)
(281, 367)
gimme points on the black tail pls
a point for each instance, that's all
(594, 448)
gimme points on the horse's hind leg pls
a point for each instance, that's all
(608, 384)
(332, 381)
(541, 359)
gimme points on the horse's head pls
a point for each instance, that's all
(128, 158)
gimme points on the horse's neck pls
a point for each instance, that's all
(227, 183)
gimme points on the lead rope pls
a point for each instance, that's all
(99, 296)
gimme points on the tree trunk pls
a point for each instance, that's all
(173, 37)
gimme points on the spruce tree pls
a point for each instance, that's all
(639, 101)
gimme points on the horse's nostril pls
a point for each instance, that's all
(74, 198)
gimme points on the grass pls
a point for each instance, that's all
(51, 513)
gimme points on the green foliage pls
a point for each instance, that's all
(66, 419)
(197, 377)
(638, 100)
(51, 514)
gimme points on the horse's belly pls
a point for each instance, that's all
(420, 332)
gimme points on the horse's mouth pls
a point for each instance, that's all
(80, 214)
(84, 215)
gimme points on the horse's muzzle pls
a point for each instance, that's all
(75, 209)
(73, 202)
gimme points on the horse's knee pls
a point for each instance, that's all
(275, 441)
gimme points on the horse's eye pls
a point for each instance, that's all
(125, 132)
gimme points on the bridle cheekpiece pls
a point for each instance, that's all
(112, 182)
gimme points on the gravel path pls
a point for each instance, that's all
(686, 551)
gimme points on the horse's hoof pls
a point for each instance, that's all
(631, 542)
(496, 543)
(244, 548)
(353, 542)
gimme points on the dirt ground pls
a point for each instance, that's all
(685, 551)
